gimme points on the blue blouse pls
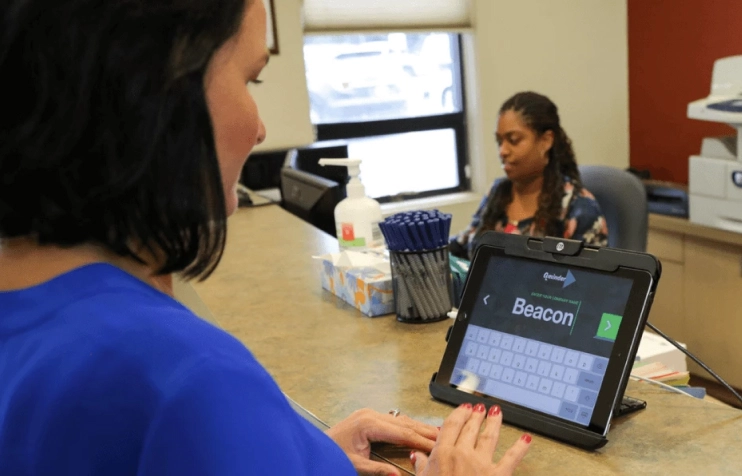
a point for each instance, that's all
(102, 374)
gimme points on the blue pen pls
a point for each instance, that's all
(425, 233)
(418, 242)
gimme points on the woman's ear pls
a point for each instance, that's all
(546, 141)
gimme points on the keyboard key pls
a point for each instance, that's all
(483, 335)
(585, 362)
(557, 372)
(471, 333)
(532, 382)
(519, 361)
(583, 415)
(483, 351)
(507, 375)
(587, 398)
(522, 396)
(506, 359)
(532, 348)
(484, 368)
(572, 393)
(544, 368)
(571, 357)
(557, 355)
(557, 390)
(520, 379)
(599, 365)
(570, 376)
(544, 351)
(496, 372)
(531, 365)
(472, 365)
(494, 356)
(506, 342)
(519, 345)
(495, 338)
(544, 386)
(568, 410)
(589, 381)
(471, 349)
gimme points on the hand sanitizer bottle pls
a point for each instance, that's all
(357, 217)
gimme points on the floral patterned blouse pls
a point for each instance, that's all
(581, 217)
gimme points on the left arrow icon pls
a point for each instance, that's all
(485, 299)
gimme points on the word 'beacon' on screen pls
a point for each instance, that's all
(521, 307)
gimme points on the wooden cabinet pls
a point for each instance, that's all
(699, 296)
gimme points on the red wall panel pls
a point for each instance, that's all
(672, 48)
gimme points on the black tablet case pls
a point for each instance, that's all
(575, 253)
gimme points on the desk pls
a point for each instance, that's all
(698, 296)
(333, 360)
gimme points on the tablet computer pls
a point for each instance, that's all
(548, 329)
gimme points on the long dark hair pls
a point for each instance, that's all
(541, 115)
(105, 135)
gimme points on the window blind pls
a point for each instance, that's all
(385, 15)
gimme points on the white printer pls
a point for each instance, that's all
(715, 183)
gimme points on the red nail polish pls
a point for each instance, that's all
(494, 410)
(479, 408)
(526, 437)
(466, 405)
(413, 458)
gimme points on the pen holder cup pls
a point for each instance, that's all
(421, 281)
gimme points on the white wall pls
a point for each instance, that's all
(575, 52)
(283, 100)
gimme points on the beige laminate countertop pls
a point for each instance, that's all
(332, 360)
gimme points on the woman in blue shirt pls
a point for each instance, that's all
(124, 127)
(542, 194)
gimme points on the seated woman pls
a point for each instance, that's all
(542, 194)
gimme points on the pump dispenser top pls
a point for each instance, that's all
(357, 217)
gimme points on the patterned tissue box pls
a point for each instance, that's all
(367, 288)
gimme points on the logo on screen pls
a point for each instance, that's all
(565, 280)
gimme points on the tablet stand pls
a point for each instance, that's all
(630, 405)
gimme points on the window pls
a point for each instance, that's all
(396, 99)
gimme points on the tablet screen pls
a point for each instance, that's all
(540, 335)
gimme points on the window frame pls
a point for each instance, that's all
(457, 121)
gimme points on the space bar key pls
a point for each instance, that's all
(522, 396)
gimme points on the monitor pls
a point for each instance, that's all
(311, 198)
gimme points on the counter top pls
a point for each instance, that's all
(333, 360)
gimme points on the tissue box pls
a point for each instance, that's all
(367, 288)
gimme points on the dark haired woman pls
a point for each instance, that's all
(542, 194)
(123, 130)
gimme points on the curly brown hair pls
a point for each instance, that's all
(541, 115)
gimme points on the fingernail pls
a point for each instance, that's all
(479, 408)
(413, 458)
(439, 428)
(526, 437)
(466, 405)
(494, 410)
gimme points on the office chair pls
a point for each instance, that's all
(623, 199)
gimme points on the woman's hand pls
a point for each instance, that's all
(356, 433)
(464, 448)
